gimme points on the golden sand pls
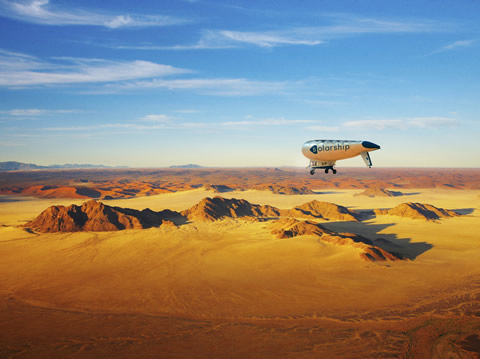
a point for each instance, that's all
(235, 271)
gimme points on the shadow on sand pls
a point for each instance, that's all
(6, 199)
(411, 194)
(388, 242)
(464, 211)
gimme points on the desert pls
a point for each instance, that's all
(244, 273)
(239, 179)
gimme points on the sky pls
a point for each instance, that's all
(238, 83)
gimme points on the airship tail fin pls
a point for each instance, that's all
(366, 159)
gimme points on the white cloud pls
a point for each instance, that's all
(265, 122)
(15, 61)
(133, 126)
(350, 25)
(264, 39)
(21, 70)
(375, 124)
(190, 125)
(33, 112)
(129, 126)
(187, 110)
(341, 26)
(405, 123)
(432, 122)
(209, 86)
(45, 13)
(454, 45)
(120, 21)
(162, 122)
(157, 118)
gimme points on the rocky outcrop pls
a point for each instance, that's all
(96, 216)
(413, 210)
(287, 190)
(211, 209)
(325, 210)
(289, 228)
(379, 192)
(218, 188)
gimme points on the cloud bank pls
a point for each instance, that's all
(21, 70)
(44, 13)
(342, 26)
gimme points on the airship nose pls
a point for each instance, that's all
(370, 145)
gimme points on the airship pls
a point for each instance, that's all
(323, 154)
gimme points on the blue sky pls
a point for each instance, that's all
(238, 83)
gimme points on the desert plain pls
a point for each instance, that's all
(224, 284)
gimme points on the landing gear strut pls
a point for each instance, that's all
(312, 171)
(333, 170)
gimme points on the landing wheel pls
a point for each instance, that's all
(312, 172)
(326, 170)
(334, 171)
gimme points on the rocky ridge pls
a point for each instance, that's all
(290, 227)
(379, 192)
(325, 210)
(218, 188)
(212, 209)
(96, 216)
(281, 189)
(415, 210)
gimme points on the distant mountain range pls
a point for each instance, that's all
(190, 165)
(19, 166)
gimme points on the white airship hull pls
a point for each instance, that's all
(325, 153)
